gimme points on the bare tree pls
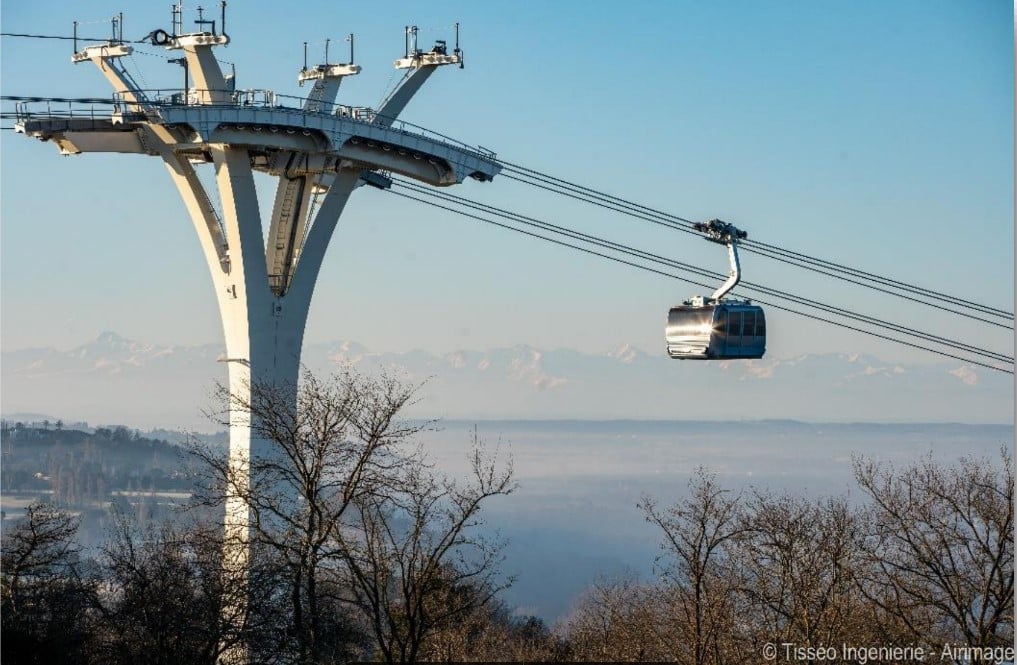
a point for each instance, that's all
(940, 548)
(928, 563)
(622, 621)
(164, 592)
(697, 567)
(337, 441)
(798, 558)
(46, 598)
(491, 632)
(415, 561)
(359, 518)
(40, 546)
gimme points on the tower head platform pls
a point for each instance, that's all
(321, 72)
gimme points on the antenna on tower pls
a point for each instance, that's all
(118, 29)
(327, 71)
(411, 42)
(458, 52)
(201, 20)
(178, 18)
(414, 58)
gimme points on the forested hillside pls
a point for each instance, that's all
(77, 468)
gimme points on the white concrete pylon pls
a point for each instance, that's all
(263, 286)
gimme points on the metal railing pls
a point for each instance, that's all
(264, 98)
(94, 109)
(150, 101)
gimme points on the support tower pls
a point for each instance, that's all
(319, 150)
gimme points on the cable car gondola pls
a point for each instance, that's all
(716, 328)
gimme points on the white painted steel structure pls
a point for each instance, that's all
(320, 152)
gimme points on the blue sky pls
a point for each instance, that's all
(876, 134)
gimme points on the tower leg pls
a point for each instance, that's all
(263, 331)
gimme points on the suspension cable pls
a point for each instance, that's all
(589, 195)
(625, 249)
(80, 39)
(615, 208)
(660, 272)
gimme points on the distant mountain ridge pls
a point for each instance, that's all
(114, 379)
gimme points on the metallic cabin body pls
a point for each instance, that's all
(721, 331)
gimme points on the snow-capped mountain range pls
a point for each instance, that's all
(115, 380)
